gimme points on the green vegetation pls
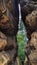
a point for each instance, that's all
(22, 40)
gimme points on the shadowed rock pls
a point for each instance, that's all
(3, 41)
(9, 28)
(31, 22)
(29, 17)
(27, 8)
(31, 50)
(33, 55)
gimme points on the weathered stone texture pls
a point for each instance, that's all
(9, 17)
(8, 29)
(29, 17)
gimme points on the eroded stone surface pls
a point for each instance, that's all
(4, 58)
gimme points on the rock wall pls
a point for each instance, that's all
(29, 17)
(9, 19)
(8, 29)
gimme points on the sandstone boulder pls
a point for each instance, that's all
(31, 50)
(4, 58)
(28, 7)
(3, 41)
(31, 23)
(31, 20)
(33, 54)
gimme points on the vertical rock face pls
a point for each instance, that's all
(12, 19)
(31, 22)
(29, 17)
(33, 54)
(9, 17)
(8, 28)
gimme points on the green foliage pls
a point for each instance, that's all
(21, 38)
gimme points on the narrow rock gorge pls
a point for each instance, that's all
(9, 20)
